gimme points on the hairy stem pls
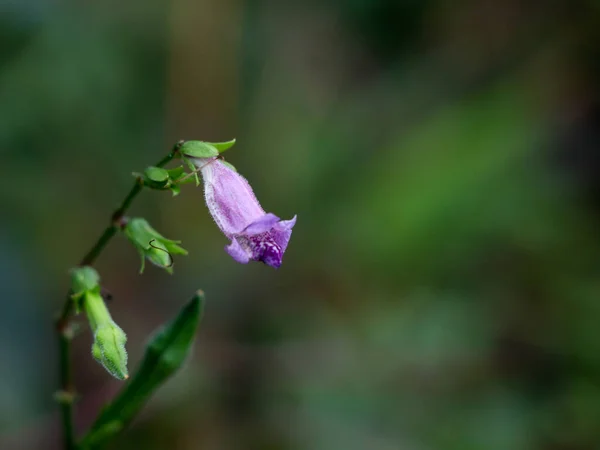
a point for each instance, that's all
(66, 395)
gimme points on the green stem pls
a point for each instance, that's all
(66, 396)
(95, 251)
(63, 325)
(118, 214)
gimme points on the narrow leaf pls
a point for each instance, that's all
(165, 353)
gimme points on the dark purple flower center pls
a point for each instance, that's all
(265, 249)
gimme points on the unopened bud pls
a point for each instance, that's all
(109, 339)
(109, 350)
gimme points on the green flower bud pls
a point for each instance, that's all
(152, 245)
(109, 340)
(109, 350)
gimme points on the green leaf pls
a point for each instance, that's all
(165, 353)
(198, 149)
(222, 146)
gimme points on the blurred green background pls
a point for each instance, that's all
(441, 289)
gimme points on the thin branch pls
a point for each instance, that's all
(66, 396)
(64, 328)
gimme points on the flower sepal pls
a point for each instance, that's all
(152, 245)
(202, 149)
(84, 280)
(164, 179)
(193, 151)
(222, 146)
(198, 149)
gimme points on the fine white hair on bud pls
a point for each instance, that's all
(109, 350)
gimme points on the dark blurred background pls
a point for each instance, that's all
(442, 285)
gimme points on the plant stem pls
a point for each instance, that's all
(95, 251)
(66, 396)
(118, 214)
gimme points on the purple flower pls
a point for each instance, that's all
(255, 235)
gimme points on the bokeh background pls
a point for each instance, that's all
(442, 286)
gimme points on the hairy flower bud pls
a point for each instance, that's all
(108, 347)
(109, 339)
(109, 350)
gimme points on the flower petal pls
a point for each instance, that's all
(282, 232)
(229, 197)
(265, 249)
(272, 256)
(262, 225)
(236, 251)
(285, 225)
